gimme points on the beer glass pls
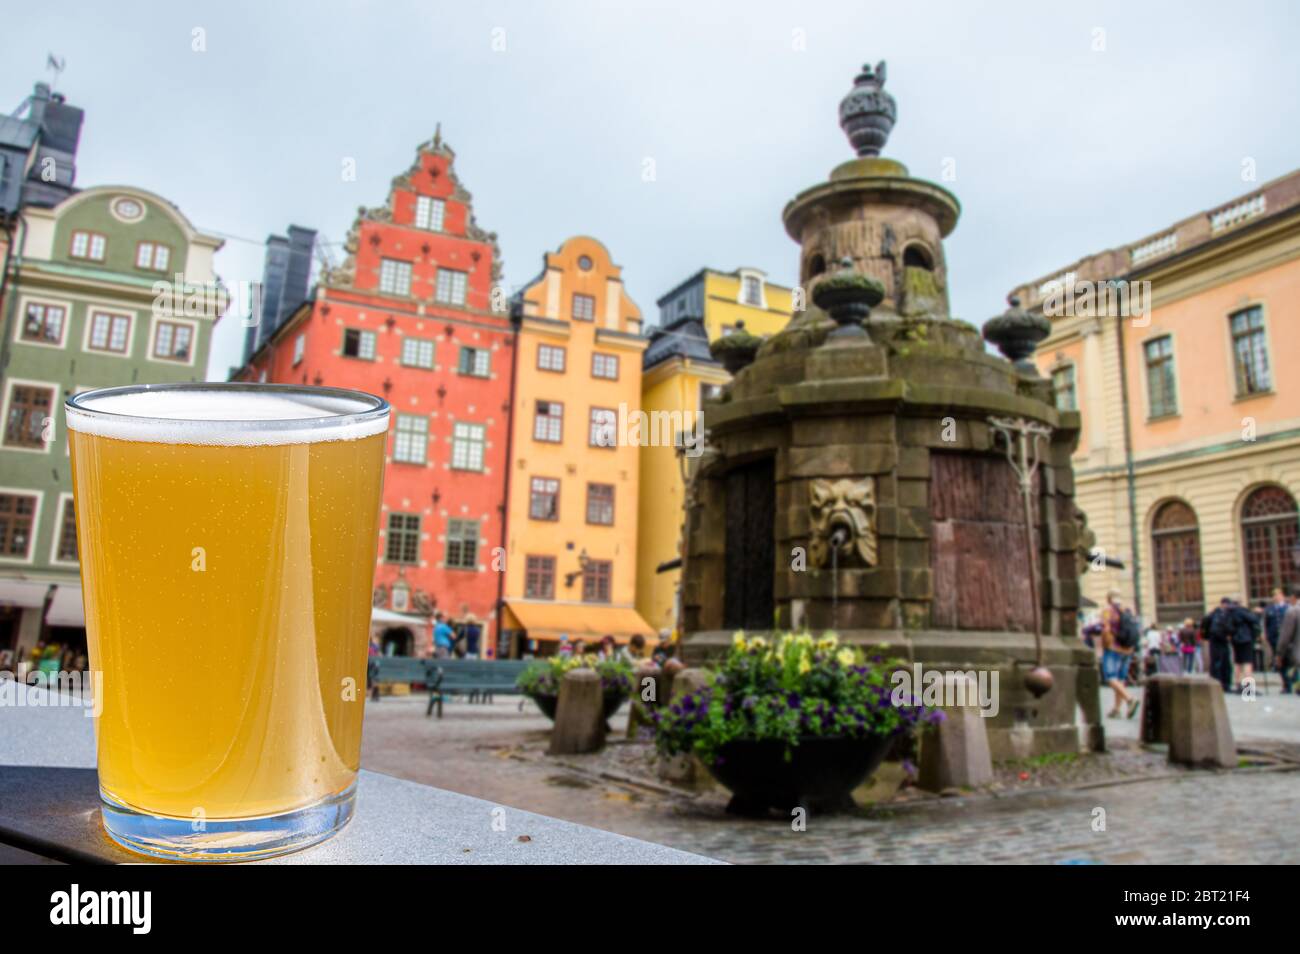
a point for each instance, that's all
(227, 535)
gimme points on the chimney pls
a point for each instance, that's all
(58, 125)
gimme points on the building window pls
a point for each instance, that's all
(67, 549)
(411, 443)
(451, 286)
(476, 362)
(152, 256)
(550, 358)
(462, 544)
(1176, 548)
(109, 332)
(584, 307)
(1250, 352)
(359, 344)
(172, 340)
(544, 500)
(1161, 388)
(595, 581)
(751, 291)
(1270, 527)
(299, 349)
(17, 513)
(44, 324)
(600, 504)
(603, 427)
(394, 277)
(417, 353)
(539, 579)
(604, 366)
(30, 406)
(402, 545)
(548, 422)
(89, 245)
(467, 444)
(709, 392)
(1067, 398)
(429, 213)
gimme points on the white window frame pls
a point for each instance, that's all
(133, 319)
(459, 281)
(415, 439)
(64, 496)
(36, 524)
(547, 357)
(598, 357)
(299, 348)
(153, 340)
(395, 277)
(10, 384)
(750, 273)
(463, 445)
(365, 336)
(91, 237)
(430, 213)
(26, 300)
(414, 348)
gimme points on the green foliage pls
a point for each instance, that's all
(793, 688)
(543, 677)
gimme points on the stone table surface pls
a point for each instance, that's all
(49, 807)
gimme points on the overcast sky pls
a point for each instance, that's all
(1074, 126)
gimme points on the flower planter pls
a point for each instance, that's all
(820, 774)
(548, 704)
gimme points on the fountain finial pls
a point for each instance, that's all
(867, 113)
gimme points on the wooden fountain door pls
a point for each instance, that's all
(977, 545)
(751, 546)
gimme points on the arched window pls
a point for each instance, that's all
(1270, 526)
(1176, 545)
(918, 256)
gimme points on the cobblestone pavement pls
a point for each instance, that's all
(496, 752)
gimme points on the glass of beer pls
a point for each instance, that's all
(228, 538)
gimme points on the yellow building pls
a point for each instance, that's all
(722, 300)
(678, 375)
(1180, 351)
(572, 491)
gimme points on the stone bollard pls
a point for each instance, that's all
(1156, 699)
(955, 753)
(1199, 731)
(579, 715)
(685, 769)
(640, 709)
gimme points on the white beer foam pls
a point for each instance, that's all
(220, 417)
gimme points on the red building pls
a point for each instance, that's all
(409, 316)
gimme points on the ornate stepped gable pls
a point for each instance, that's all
(345, 275)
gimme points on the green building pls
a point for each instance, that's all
(110, 285)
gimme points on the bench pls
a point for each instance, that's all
(477, 679)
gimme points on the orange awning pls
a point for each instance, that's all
(584, 621)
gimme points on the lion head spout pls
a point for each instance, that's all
(843, 521)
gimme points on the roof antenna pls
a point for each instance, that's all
(56, 65)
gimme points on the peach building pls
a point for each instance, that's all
(1182, 354)
(573, 480)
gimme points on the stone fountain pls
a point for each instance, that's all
(852, 480)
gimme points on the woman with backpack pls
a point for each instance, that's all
(1119, 638)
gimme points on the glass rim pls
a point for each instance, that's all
(374, 409)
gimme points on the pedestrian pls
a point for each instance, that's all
(1218, 628)
(1151, 646)
(1187, 645)
(1119, 640)
(636, 647)
(1274, 613)
(444, 637)
(1287, 658)
(608, 649)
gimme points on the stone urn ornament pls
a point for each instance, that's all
(868, 113)
(848, 297)
(1017, 334)
(736, 350)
